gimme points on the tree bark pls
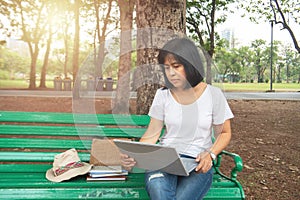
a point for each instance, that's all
(212, 43)
(101, 36)
(34, 56)
(46, 59)
(157, 22)
(66, 44)
(121, 102)
(75, 60)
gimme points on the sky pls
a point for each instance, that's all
(246, 31)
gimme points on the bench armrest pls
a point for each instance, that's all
(237, 160)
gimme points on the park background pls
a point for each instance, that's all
(38, 43)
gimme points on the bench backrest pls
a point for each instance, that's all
(41, 135)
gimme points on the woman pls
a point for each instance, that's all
(190, 109)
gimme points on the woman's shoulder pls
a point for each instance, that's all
(162, 90)
(162, 93)
(214, 91)
(214, 88)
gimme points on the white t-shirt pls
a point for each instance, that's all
(189, 127)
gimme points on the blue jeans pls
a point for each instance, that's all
(164, 186)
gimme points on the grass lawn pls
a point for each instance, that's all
(238, 87)
(20, 84)
(260, 87)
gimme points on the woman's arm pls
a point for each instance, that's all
(153, 131)
(150, 136)
(223, 133)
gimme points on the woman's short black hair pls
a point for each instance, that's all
(185, 52)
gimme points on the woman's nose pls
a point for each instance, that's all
(172, 71)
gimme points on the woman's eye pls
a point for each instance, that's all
(176, 66)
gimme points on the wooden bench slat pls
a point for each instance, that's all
(21, 168)
(38, 168)
(96, 131)
(23, 179)
(38, 143)
(37, 117)
(103, 193)
(73, 118)
(21, 171)
(74, 193)
(232, 193)
(18, 156)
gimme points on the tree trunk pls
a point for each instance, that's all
(259, 75)
(34, 55)
(212, 43)
(157, 22)
(75, 62)
(121, 102)
(31, 35)
(287, 73)
(101, 36)
(66, 43)
(46, 59)
(278, 73)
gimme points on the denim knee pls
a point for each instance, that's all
(160, 185)
(195, 186)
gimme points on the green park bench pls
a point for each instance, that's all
(30, 140)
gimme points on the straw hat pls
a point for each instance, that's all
(67, 165)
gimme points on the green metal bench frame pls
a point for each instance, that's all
(29, 141)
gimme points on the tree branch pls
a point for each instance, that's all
(284, 23)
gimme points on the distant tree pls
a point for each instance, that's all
(52, 7)
(66, 16)
(291, 62)
(11, 63)
(261, 58)
(29, 17)
(75, 62)
(278, 72)
(202, 18)
(228, 62)
(246, 63)
(277, 61)
(103, 18)
(296, 64)
(46, 57)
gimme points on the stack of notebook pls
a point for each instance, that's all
(105, 158)
(107, 173)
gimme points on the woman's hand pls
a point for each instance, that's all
(205, 162)
(127, 162)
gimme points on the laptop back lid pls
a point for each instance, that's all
(153, 156)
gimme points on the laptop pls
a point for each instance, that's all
(156, 157)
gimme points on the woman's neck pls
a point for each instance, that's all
(189, 95)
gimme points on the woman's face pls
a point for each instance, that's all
(175, 72)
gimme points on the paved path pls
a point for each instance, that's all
(264, 95)
(229, 95)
